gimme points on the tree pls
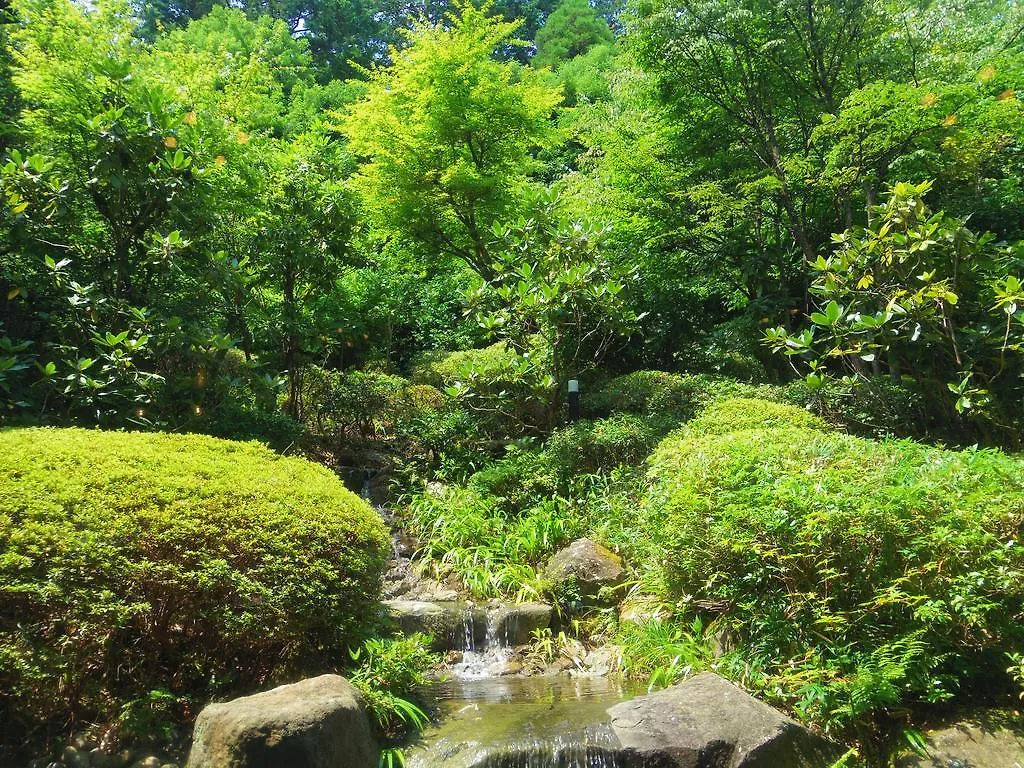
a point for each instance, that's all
(572, 30)
(8, 93)
(447, 132)
(916, 294)
(555, 296)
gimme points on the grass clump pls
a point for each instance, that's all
(865, 576)
(131, 563)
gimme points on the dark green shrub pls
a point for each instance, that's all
(590, 446)
(132, 563)
(866, 574)
(519, 480)
(237, 422)
(877, 408)
(657, 393)
(349, 403)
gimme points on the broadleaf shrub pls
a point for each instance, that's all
(134, 562)
(866, 574)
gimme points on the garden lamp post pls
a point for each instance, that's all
(574, 400)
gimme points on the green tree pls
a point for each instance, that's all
(916, 294)
(570, 31)
(555, 296)
(447, 132)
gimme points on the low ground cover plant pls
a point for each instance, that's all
(133, 563)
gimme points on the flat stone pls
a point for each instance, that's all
(707, 722)
(453, 625)
(515, 624)
(316, 723)
(984, 740)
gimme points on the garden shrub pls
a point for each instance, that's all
(442, 369)
(743, 413)
(657, 393)
(340, 405)
(232, 421)
(591, 446)
(505, 390)
(520, 480)
(878, 408)
(131, 563)
(865, 574)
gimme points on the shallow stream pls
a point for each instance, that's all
(521, 722)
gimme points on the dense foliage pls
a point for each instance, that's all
(388, 235)
(648, 187)
(861, 574)
(135, 565)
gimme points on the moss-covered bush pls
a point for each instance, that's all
(138, 562)
(865, 574)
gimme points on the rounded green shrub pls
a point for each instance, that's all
(741, 413)
(865, 574)
(589, 446)
(657, 393)
(132, 563)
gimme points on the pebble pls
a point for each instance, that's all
(100, 759)
(74, 758)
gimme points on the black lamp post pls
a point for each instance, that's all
(574, 400)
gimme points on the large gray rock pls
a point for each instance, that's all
(707, 722)
(515, 624)
(454, 626)
(586, 564)
(316, 723)
(984, 740)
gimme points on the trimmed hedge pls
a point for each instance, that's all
(135, 562)
(658, 393)
(592, 446)
(865, 574)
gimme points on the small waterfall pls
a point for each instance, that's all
(594, 746)
(468, 629)
(366, 488)
(488, 659)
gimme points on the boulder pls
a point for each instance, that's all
(707, 722)
(454, 626)
(515, 624)
(316, 723)
(587, 565)
(983, 740)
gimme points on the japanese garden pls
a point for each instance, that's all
(511, 384)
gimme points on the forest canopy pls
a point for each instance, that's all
(201, 201)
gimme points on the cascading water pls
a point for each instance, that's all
(523, 723)
(487, 716)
